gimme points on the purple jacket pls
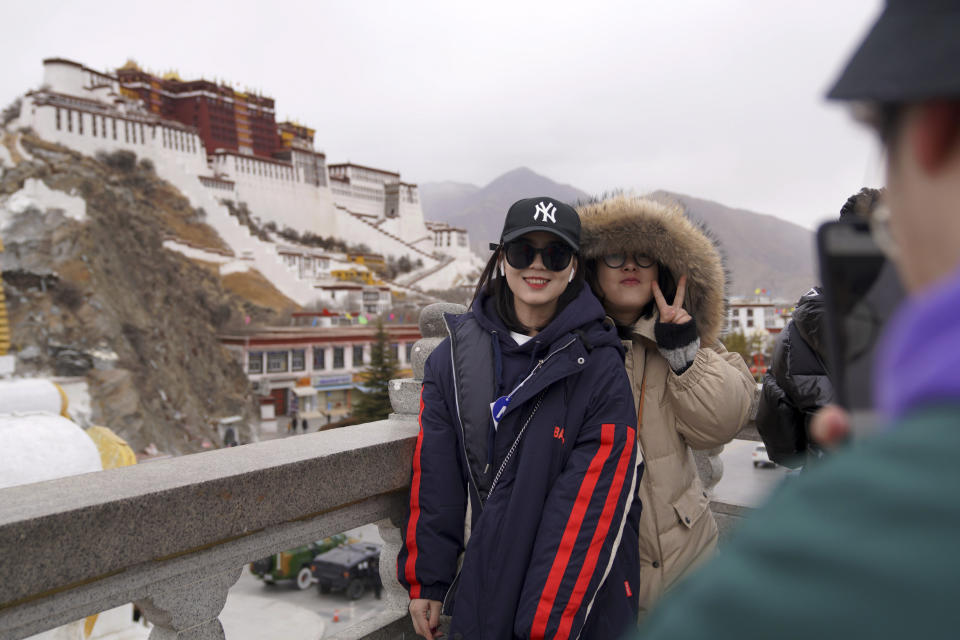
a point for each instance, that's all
(920, 356)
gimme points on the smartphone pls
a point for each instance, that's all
(862, 290)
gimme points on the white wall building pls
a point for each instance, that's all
(313, 371)
(86, 110)
(757, 314)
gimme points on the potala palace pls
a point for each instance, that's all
(217, 145)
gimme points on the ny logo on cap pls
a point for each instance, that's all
(548, 210)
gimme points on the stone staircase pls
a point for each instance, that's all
(411, 279)
(375, 226)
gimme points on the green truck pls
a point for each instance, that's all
(295, 563)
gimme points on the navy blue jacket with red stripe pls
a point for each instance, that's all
(548, 509)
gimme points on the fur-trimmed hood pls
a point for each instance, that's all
(631, 224)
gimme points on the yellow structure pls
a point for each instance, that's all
(114, 450)
(356, 275)
(372, 261)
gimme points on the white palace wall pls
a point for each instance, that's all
(179, 158)
(80, 109)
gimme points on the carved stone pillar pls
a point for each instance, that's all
(189, 608)
(405, 393)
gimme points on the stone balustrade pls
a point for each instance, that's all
(173, 535)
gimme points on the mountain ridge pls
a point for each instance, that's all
(762, 251)
(480, 210)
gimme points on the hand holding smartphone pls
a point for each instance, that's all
(862, 290)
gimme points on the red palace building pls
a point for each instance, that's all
(226, 119)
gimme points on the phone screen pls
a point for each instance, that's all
(862, 290)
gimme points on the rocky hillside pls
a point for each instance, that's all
(762, 251)
(97, 294)
(481, 210)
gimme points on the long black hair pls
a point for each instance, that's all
(665, 279)
(496, 287)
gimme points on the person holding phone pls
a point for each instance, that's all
(522, 518)
(798, 382)
(865, 545)
(660, 278)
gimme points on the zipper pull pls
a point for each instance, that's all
(486, 469)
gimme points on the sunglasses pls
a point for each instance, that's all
(520, 255)
(617, 260)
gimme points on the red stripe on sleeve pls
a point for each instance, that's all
(410, 567)
(596, 545)
(569, 539)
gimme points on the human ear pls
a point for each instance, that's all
(935, 130)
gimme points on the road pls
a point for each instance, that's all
(255, 611)
(741, 483)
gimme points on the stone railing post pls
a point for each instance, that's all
(405, 393)
(189, 608)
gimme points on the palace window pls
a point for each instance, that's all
(338, 357)
(126, 131)
(277, 361)
(409, 351)
(80, 122)
(93, 124)
(357, 355)
(255, 362)
(69, 120)
(319, 358)
(395, 351)
(114, 128)
(58, 118)
(298, 360)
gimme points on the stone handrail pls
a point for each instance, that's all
(173, 535)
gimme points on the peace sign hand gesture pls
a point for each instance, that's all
(672, 313)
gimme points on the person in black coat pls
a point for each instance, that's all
(796, 385)
(798, 381)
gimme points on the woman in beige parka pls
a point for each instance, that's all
(661, 279)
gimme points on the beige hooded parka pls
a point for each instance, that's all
(702, 408)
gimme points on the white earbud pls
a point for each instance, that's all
(502, 274)
(572, 271)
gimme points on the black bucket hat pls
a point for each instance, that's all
(912, 53)
(542, 214)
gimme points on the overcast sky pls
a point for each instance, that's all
(720, 100)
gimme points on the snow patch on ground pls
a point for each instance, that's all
(196, 254)
(243, 617)
(235, 266)
(36, 194)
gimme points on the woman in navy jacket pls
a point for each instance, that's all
(526, 463)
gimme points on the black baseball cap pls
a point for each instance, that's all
(912, 53)
(542, 214)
